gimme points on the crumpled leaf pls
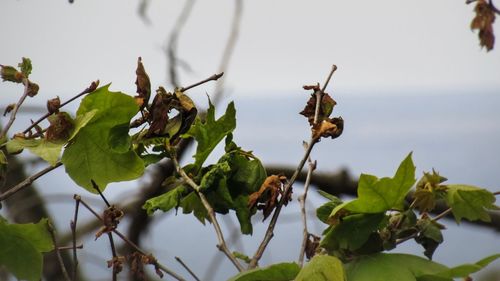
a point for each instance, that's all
(101, 151)
(429, 236)
(322, 268)
(143, 85)
(379, 195)
(277, 272)
(53, 105)
(483, 21)
(166, 201)
(266, 198)
(329, 127)
(61, 126)
(10, 73)
(326, 105)
(111, 218)
(470, 202)
(428, 190)
(210, 132)
(21, 248)
(25, 67)
(192, 204)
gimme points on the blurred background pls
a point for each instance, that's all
(411, 77)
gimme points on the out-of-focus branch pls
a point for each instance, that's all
(229, 48)
(342, 183)
(172, 58)
(13, 114)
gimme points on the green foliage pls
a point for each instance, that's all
(166, 201)
(21, 248)
(275, 272)
(379, 195)
(26, 67)
(470, 202)
(322, 268)
(101, 151)
(209, 133)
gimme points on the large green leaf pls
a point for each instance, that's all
(209, 133)
(101, 151)
(379, 195)
(401, 267)
(21, 248)
(469, 202)
(322, 268)
(276, 272)
(463, 270)
(45, 149)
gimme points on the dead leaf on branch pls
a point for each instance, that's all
(483, 21)
(266, 198)
(312, 245)
(143, 85)
(111, 218)
(53, 105)
(60, 127)
(116, 263)
(330, 127)
(138, 260)
(326, 106)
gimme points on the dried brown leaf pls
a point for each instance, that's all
(328, 128)
(53, 105)
(60, 127)
(143, 85)
(483, 21)
(326, 108)
(266, 198)
(111, 218)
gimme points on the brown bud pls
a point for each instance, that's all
(53, 105)
(10, 73)
(60, 127)
(9, 108)
(32, 89)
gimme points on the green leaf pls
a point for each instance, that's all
(322, 268)
(379, 195)
(243, 213)
(209, 133)
(465, 270)
(192, 204)
(383, 267)
(26, 67)
(101, 151)
(352, 233)
(470, 202)
(430, 236)
(21, 248)
(166, 201)
(276, 272)
(324, 211)
(212, 178)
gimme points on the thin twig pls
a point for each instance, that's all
(229, 48)
(442, 215)
(88, 90)
(126, 240)
(272, 224)
(71, 247)
(113, 251)
(173, 39)
(28, 181)
(16, 108)
(73, 236)
(50, 228)
(270, 229)
(302, 201)
(187, 268)
(319, 94)
(214, 77)
(496, 193)
(222, 246)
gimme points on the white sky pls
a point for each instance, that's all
(381, 47)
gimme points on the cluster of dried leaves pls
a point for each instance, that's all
(137, 261)
(322, 125)
(111, 218)
(267, 197)
(483, 21)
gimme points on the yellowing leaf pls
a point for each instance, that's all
(322, 268)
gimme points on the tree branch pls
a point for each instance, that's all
(50, 228)
(187, 268)
(211, 214)
(302, 201)
(28, 181)
(16, 108)
(73, 234)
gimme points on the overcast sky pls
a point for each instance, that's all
(380, 47)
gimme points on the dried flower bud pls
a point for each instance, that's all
(53, 105)
(9, 108)
(10, 73)
(32, 89)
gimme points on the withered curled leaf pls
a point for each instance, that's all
(61, 125)
(10, 73)
(9, 108)
(53, 105)
(266, 198)
(143, 85)
(111, 218)
(326, 107)
(483, 21)
(329, 127)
